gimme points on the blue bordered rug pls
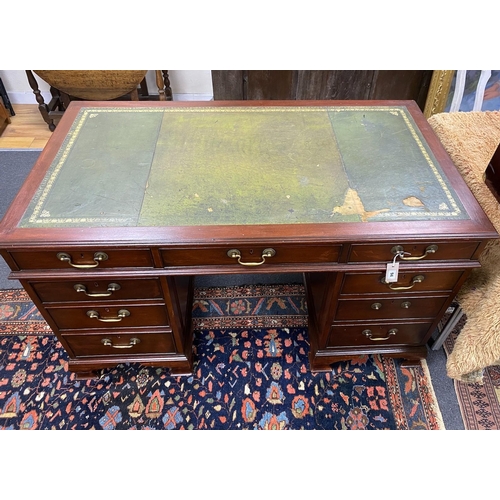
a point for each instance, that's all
(251, 372)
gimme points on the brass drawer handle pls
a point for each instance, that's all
(98, 257)
(399, 250)
(122, 313)
(376, 306)
(414, 281)
(133, 341)
(112, 287)
(390, 333)
(266, 253)
(406, 304)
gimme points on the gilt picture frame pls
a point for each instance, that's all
(439, 90)
(463, 90)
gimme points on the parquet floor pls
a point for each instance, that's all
(26, 130)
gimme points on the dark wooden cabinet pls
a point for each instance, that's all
(333, 190)
(4, 117)
(322, 84)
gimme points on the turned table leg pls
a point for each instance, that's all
(43, 108)
(163, 84)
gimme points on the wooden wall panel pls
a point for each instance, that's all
(228, 85)
(321, 84)
(402, 84)
(271, 85)
(334, 84)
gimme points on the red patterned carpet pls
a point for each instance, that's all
(479, 403)
(251, 372)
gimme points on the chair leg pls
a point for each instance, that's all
(144, 92)
(447, 328)
(163, 84)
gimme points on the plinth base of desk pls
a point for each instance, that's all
(178, 365)
(322, 360)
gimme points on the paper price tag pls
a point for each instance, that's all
(391, 273)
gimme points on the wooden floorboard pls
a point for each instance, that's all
(27, 129)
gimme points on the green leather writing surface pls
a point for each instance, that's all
(243, 167)
(178, 166)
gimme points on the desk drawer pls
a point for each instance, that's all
(82, 259)
(393, 308)
(288, 254)
(427, 251)
(120, 344)
(408, 282)
(97, 290)
(377, 335)
(109, 317)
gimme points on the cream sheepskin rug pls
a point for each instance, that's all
(471, 138)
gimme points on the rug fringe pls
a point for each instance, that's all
(437, 410)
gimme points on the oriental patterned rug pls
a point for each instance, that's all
(479, 402)
(251, 372)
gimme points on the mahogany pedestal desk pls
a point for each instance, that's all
(129, 201)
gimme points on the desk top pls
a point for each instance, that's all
(187, 166)
(307, 169)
